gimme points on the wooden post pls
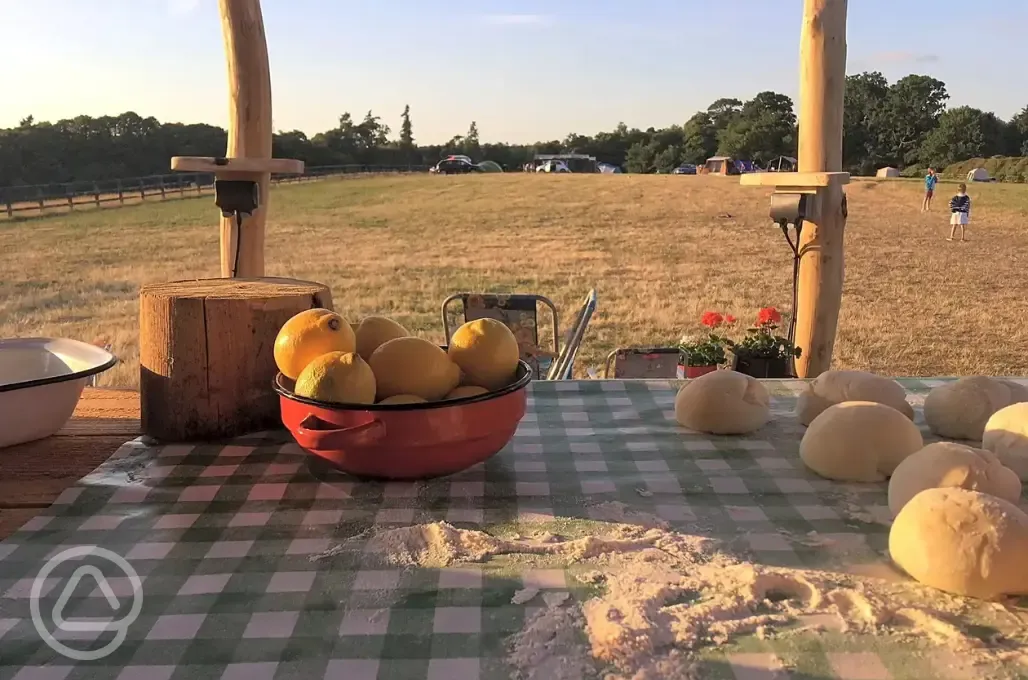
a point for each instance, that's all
(121, 193)
(822, 86)
(249, 125)
(96, 194)
(206, 354)
(160, 185)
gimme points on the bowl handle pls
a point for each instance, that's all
(315, 433)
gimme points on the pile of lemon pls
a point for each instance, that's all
(377, 361)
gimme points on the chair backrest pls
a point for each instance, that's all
(563, 366)
(643, 362)
(519, 312)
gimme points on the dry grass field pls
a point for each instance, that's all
(659, 250)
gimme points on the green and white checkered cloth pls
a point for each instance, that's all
(234, 545)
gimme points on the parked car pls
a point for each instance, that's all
(456, 165)
(553, 166)
(684, 169)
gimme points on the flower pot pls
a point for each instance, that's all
(763, 367)
(696, 371)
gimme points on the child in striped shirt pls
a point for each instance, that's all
(960, 212)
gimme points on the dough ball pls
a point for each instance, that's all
(1006, 435)
(949, 464)
(960, 409)
(963, 542)
(1018, 392)
(859, 441)
(723, 402)
(834, 387)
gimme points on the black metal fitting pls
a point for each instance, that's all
(236, 197)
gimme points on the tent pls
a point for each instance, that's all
(887, 172)
(783, 164)
(978, 175)
(608, 168)
(719, 165)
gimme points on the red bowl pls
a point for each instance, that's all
(406, 441)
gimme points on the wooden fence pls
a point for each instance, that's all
(131, 190)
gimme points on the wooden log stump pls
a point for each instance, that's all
(206, 354)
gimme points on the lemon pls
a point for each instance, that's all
(466, 391)
(309, 335)
(415, 366)
(487, 351)
(403, 399)
(338, 377)
(374, 331)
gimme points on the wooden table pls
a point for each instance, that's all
(32, 475)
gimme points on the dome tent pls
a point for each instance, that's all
(978, 175)
(490, 166)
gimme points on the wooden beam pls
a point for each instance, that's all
(249, 128)
(822, 86)
(794, 180)
(230, 166)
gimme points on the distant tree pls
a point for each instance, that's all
(471, 144)
(723, 111)
(640, 158)
(406, 130)
(963, 132)
(699, 138)
(1019, 130)
(763, 129)
(668, 159)
(865, 95)
(909, 113)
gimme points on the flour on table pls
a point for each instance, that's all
(666, 596)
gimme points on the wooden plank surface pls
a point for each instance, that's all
(32, 475)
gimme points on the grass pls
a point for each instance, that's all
(659, 249)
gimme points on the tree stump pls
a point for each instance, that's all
(206, 354)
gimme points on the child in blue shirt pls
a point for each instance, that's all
(930, 180)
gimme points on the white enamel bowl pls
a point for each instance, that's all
(41, 380)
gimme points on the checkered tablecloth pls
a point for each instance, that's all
(233, 543)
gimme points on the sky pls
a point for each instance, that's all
(524, 70)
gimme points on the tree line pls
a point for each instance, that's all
(904, 124)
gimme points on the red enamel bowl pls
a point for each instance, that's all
(406, 441)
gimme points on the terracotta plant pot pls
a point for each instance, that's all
(696, 371)
(763, 367)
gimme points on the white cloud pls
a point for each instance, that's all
(182, 7)
(516, 19)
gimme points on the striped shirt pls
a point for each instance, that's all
(960, 203)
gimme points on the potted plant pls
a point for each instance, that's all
(699, 356)
(763, 353)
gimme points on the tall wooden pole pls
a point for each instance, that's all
(249, 127)
(822, 86)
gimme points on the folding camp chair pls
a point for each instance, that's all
(642, 362)
(519, 312)
(563, 367)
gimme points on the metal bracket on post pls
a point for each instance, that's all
(237, 189)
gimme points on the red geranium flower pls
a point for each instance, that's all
(730, 319)
(712, 319)
(768, 315)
